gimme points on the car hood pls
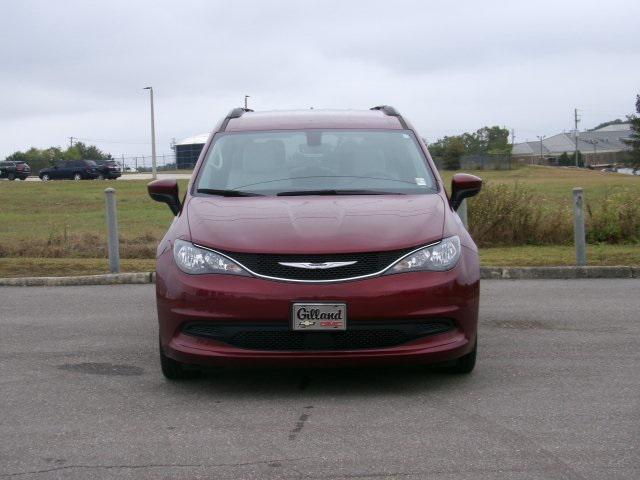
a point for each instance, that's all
(315, 224)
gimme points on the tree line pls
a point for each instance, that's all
(633, 157)
(39, 158)
(486, 140)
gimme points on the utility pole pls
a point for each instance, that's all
(246, 103)
(541, 138)
(576, 120)
(71, 139)
(154, 172)
(513, 137)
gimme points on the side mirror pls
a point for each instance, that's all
(166, 191)
(463, 186)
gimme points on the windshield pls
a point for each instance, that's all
(331, 161)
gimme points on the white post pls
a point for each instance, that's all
(112, 226)
(578, 227)
(154, 173)
(462, 213)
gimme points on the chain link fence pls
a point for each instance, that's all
(480, 161)
(143, 163)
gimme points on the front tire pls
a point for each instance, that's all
(465, 364)
(11, 176)
(77, 177)
(45, 178)
(100, 177)
(173, 370)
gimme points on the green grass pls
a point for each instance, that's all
(61, 267)
(544, 255)
(68, 219)
(556, 184)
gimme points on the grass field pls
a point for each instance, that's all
(557, 183)
(59, 227)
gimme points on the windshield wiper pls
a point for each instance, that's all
(295, 193)
(228, 193)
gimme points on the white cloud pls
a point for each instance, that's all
(78, 68)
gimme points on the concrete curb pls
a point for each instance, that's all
(567, 273)
(107, 279)
(490, 273)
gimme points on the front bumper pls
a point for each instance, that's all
(388, 300)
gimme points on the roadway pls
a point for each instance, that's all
(134, 176)
(555, 395)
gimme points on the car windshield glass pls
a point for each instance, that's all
(91, 163)
(270, 163)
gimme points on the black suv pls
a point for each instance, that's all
(13, 170)
(71, 170)
(108, 170)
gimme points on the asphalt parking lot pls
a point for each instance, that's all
(555, 395)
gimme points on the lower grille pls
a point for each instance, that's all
(279, 337)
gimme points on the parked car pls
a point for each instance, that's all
(71, 170)
(108, 170)
(13, 170)
(316, 238)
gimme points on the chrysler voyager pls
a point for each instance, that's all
(316, 238)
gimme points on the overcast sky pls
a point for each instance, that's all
(77, 68)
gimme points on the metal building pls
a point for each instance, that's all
(188, 150)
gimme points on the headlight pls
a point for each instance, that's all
(440, 257)
(194, 260)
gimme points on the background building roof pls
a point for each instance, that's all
(606, 140)
(201, 138)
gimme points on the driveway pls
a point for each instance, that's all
(556, 395)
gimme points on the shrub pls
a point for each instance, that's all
(615, 219)
(514, 215)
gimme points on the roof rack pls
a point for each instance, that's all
(392, 112)
(235, 113)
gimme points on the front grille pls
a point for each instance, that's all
(366, 264)
(279, 337)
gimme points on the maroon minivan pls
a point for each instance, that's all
(316, 238)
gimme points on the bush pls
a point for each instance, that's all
(514, 215)
(616, 219)
(504, 215)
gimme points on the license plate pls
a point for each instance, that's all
(319, 316)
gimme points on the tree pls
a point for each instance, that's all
(632, 159)
(564, 160)
(41, 158)
(453, 151)
(617, 121)
(493, 140)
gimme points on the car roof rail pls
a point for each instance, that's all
(391, 112)
(235, 113)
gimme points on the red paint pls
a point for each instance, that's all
(464, 185)
(316, 224)
(324, 119)
(165, 186)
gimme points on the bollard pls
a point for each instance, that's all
(462, 213)
(112, 226)
(578, 227)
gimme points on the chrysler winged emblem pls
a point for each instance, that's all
(317, 265)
